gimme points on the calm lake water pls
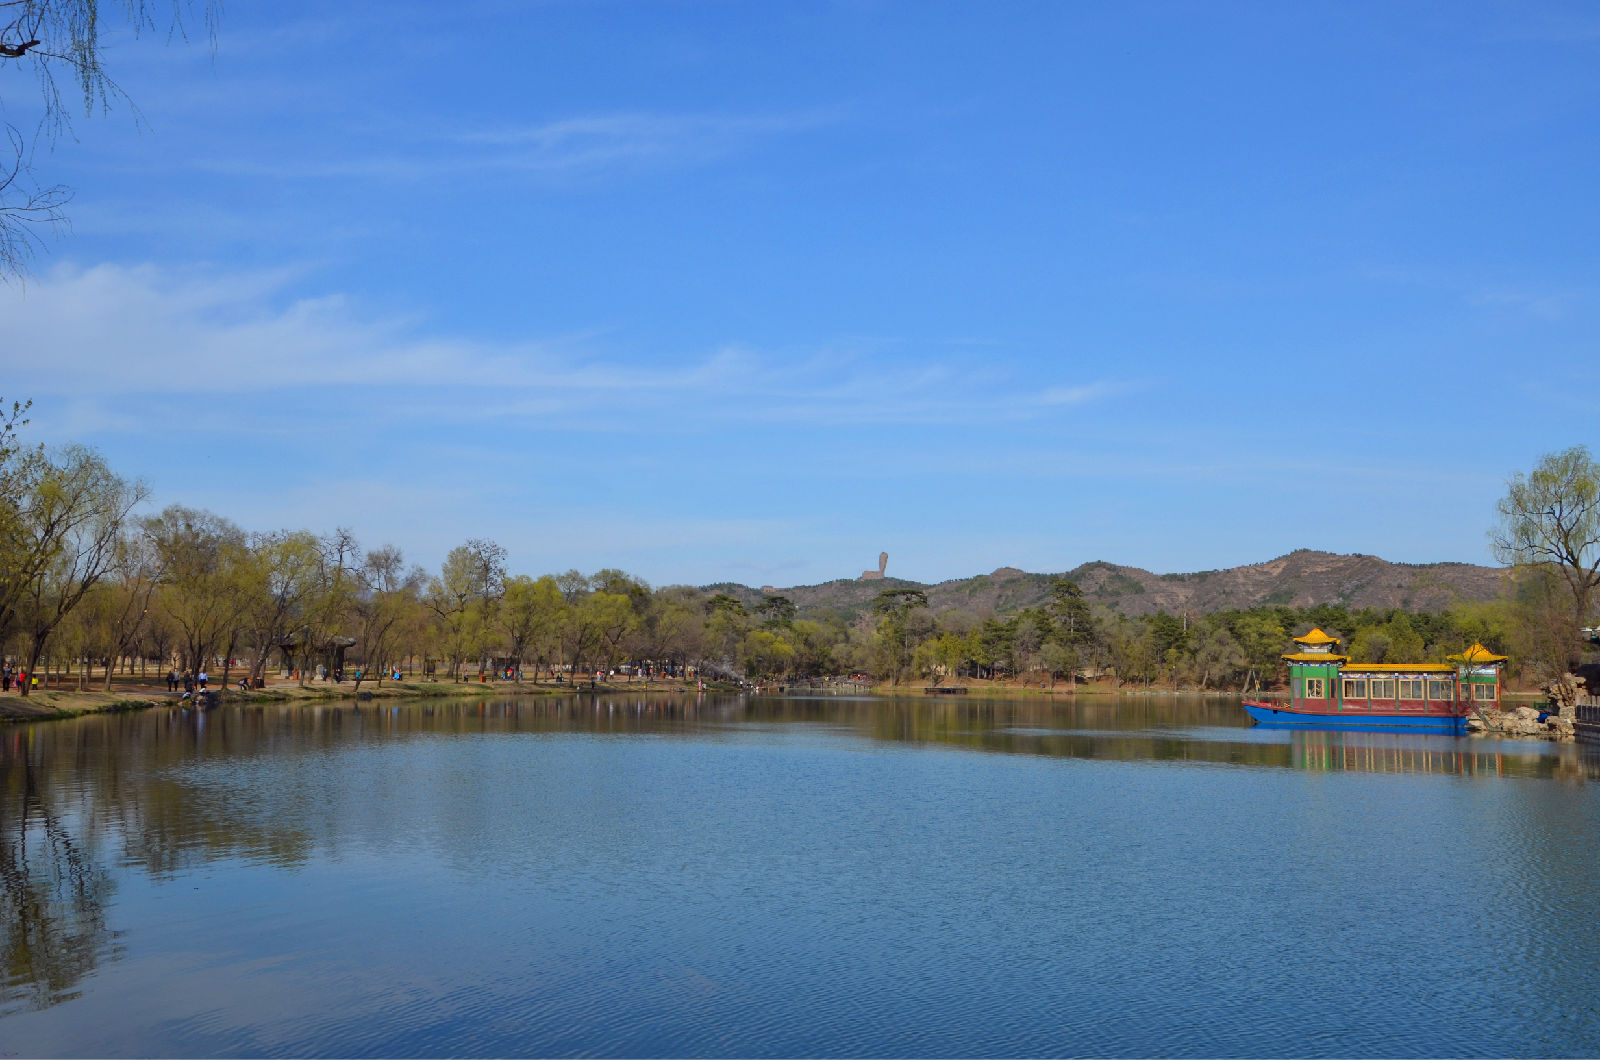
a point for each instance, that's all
(651, 875)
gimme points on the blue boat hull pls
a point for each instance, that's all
(1277, 716)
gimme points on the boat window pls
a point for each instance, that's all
(1315, 688)
(1483, 691)
(1410, 689)
(1382, 689)
(1441, 691)
(1355, 689)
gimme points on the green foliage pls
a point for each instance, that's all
(191, 586)
(725, 604)
(766, 654)
(1395, 641)
(777, 612)
(1073, 618)
(896, 634)
(1550, 519)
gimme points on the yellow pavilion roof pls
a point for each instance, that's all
(1475, 655)
(1315, 656)
(1316, 638)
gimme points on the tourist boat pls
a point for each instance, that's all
(1328, 691)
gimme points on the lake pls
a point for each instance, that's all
(635, 875)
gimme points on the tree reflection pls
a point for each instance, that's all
(71, 790)
(53, 925)
(164, 791)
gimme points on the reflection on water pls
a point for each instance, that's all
(933, 882)
(1322, 751)
(53, 929)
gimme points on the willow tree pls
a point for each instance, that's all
(531, 617)
(465, 598)
(1550, 518)
(71, 525)
(279, 575)
(202, 556)
(389, 595)
(57, 47)
(20, 468)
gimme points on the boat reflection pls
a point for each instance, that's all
(81, 801)
(1335, 752)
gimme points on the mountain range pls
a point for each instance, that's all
(1300, 579)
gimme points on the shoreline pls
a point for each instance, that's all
(52, 704)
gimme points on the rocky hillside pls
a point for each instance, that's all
(1300, 579)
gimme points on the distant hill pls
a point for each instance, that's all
(1300, 579)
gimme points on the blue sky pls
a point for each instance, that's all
(752, 291)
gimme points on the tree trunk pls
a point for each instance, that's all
(227, 661)
(34, 652)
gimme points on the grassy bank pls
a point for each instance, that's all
(43, 704)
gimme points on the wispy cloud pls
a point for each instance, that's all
(1072, 395)
(112, 332)
(583, 145)
(1482, 291)
(605, 139)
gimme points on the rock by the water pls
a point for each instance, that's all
(1523, 722)
(1564, 692)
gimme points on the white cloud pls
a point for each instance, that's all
(95, 335)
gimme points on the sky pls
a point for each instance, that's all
(754, 291)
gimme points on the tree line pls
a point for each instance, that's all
(88, 585)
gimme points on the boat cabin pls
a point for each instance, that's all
(1322, 681)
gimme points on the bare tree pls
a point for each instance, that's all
(135, 575)
(389, 594)
(279, 574)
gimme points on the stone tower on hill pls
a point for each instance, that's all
(875, 575)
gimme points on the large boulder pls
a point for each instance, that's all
(1564, 692)
(1518, 721)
